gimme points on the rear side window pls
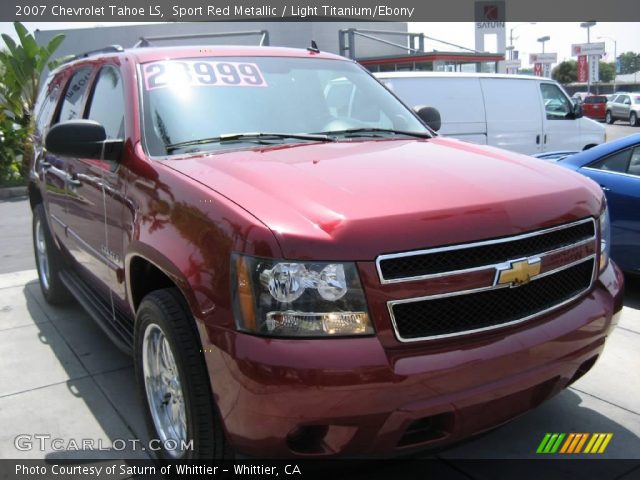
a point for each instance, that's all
(107, 102)
(74, 95)
(622, 99)
(618, 162)
(596, 100)
(634, 163)
(556, 105)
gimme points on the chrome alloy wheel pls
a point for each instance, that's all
(41, 252)
(164, 391)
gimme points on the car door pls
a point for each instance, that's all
(46, 165)
(619, 176)
(513, 114)
(622, 107)
(95, 206)
(55, 167)
(561, 131)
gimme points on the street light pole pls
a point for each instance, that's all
(588, 26)
(615, 59)
(546, 68)
(543, 40)
(511, 34)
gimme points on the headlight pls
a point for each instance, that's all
(605, 237)
(298, 299)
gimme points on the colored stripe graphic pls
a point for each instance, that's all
(599, 443)
(573, 443)
(555, 447)
(550, 443)
(607, 439)
(581, 442)
(543, 443)
(590, 444)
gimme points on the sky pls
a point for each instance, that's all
(562, 34)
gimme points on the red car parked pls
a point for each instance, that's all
(303, 269)
(595, 106)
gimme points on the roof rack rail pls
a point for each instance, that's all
(264, 37)
(108, 49)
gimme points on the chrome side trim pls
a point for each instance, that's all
(463, 246)
(99, 255)
(392, 303)
(611, 172)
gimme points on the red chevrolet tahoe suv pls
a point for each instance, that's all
(298, 264)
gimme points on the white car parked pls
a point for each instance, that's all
(516, 112)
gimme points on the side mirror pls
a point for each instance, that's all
(83, 139)
(430, 116)
(577, 111)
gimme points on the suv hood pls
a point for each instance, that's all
(356, 200)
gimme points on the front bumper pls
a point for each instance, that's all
(354, 396)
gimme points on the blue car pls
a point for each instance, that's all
(616, 167)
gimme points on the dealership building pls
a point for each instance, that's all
(378, 46)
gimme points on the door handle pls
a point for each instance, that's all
(538, 139)
(545, 138)
(605, 188)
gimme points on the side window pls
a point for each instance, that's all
(618, 162)
(45, 109)
(556, 104)
(74, 95)
(107, 102)
(634, 163)
(624, 99)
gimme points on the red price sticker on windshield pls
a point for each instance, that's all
(201, 73)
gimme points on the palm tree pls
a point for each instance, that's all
(23, 64)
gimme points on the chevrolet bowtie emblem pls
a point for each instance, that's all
(517, 272)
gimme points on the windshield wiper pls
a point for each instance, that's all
(376, 132)
(256, 137)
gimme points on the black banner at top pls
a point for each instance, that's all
(317, 10)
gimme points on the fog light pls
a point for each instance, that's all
(332, 323)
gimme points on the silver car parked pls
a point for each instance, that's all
(624, 106)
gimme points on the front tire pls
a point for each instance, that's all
(48, 261)
(633, 119)
(173, 380)
(608, 117)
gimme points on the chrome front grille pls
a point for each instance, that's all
(565, 261)
(423, 264)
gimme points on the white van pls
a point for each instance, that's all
(515, 112)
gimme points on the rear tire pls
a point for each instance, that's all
(608, 117)
(175, 387)
(633, 119)
(48, 260)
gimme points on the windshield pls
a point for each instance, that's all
(189, 100)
